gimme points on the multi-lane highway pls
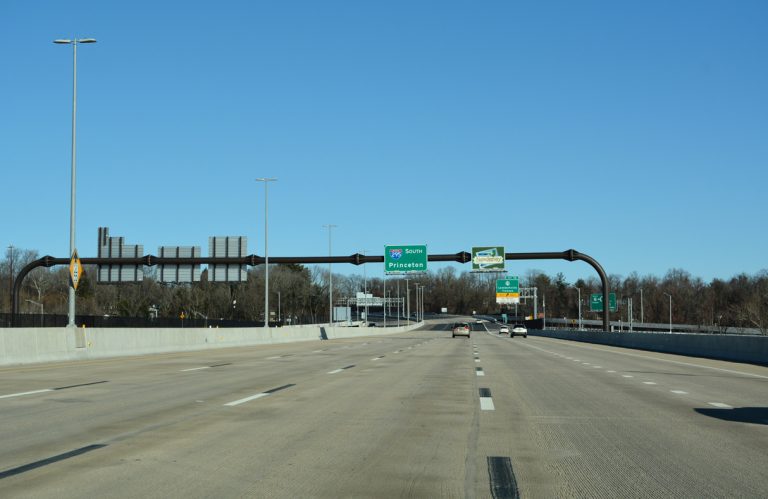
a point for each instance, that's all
(416, 414)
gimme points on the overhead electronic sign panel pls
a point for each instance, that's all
(227, 247)
(488, 259)
(403, 259)
(175, 272)
(115, 247)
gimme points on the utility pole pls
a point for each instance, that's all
(10, 278)
(330, 277)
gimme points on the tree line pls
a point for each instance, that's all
(299, 294)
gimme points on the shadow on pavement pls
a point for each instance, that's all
(755, 415)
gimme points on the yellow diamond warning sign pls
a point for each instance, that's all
(75, 270)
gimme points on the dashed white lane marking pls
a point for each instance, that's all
(585, 363)
(335, 371)
(25, 393)
(477, 360)
(275, 357)
(597, 367)
(648, 383)
(318, 351)
(195, 369)
(377, 358)
(679, 392)
(486, 400)
(627, 376)
(611, 371)
(259, 395)
(720, 405)
(480, 373)
(247, 399)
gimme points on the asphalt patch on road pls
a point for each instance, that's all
(502, 478)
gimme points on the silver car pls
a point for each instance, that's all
(504, 330)
(518, 329)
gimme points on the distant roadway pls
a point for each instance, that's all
(416, 414)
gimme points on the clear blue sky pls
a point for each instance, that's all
(636, 132)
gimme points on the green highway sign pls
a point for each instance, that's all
(596, 302)
(405, 259)
(488, 259)
(508, 290)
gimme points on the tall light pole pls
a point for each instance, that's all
(330, 277)
(408, 301)
(670, 310)
(279, 315)
(641, 307)
(266, 181)
(10, 279)
(579, 290)
(74, 42)
(365, 289)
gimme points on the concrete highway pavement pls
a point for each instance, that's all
(417, 414)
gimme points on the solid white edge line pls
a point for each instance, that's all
(25, 393)
(247, 399)
(486, 404)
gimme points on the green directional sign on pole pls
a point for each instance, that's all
(488, 259)
(508, 290)
(405, 259)
(596, 302)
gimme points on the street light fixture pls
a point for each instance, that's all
(670, 310)
(266, 253)
(330, 277)
(74, 42)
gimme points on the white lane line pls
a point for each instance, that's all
(611, 371)
(720, 405)
(585, 363)
(195, 369)
(318, 351)
(25, 393)
(480, 373)
(477, 360)
(648, 383)
(247, 399)
(597, 367)
(335, 371)
(275, 357)
(377, 358)
(486, 404)
(627, 376)
(679, 392)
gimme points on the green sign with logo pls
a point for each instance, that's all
(596, 302)
(508, 290)
(488, 259)
(405, 259)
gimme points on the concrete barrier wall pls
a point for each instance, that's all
(753, 349)
(33, 345)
